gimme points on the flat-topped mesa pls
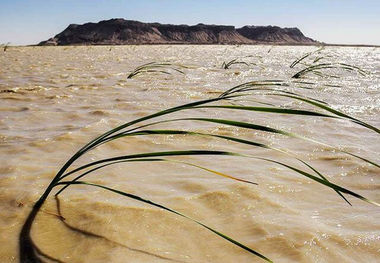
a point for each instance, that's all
(120, 32)
(274, 34)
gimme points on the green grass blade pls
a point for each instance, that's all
(95, 142)
(250, 126)
(140, 199)
(156, 160)
(203, 152)
(155, 67)
(149, 155)
(317, 67)
(238, 140)
(305, 56)
(254, 84)
(270, 110)
(329, 109)
(327, 183)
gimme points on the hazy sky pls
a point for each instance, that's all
(331, 21)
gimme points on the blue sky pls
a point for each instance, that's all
(331, 21)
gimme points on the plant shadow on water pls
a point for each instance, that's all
(30, 252)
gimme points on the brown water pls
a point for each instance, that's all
(55, 99)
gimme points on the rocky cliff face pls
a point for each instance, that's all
(120, 31)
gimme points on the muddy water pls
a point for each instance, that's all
(55, 99)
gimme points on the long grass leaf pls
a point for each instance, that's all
(238, 140)
(149, 155)
(156, 160)
(317, 67)
(305, 56)
(269, 110)
(327, 183)
(329, 109)
(140, 199)
(203, 152)
(248, 126)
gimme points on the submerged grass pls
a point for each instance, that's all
(68, 176)
(318, 69)
(238, 61)
(157, 67)
(305, 56)
(227, 65)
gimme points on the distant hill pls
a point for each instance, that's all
(121, 32)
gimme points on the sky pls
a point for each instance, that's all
(332, 21)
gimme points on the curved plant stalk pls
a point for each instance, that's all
(146, 160)
(318, 104)
(236, 61)
(216, 153)
(316, 68)
(28, 250)
(318, 59)
(156, 67)
(177, 132)
(247, 87)
(241, 125)
(239, 102)
(324, 75)
(97, 236)
(138, 198)
(331, 110)
(298, 60)
(227, 65)
(250, 84)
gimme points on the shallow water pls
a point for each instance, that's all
(55, 99)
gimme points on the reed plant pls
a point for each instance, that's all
(305, 56)
(72, 174)
(228, 64)
(239, 61)
(318, 68)
(157, 67)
